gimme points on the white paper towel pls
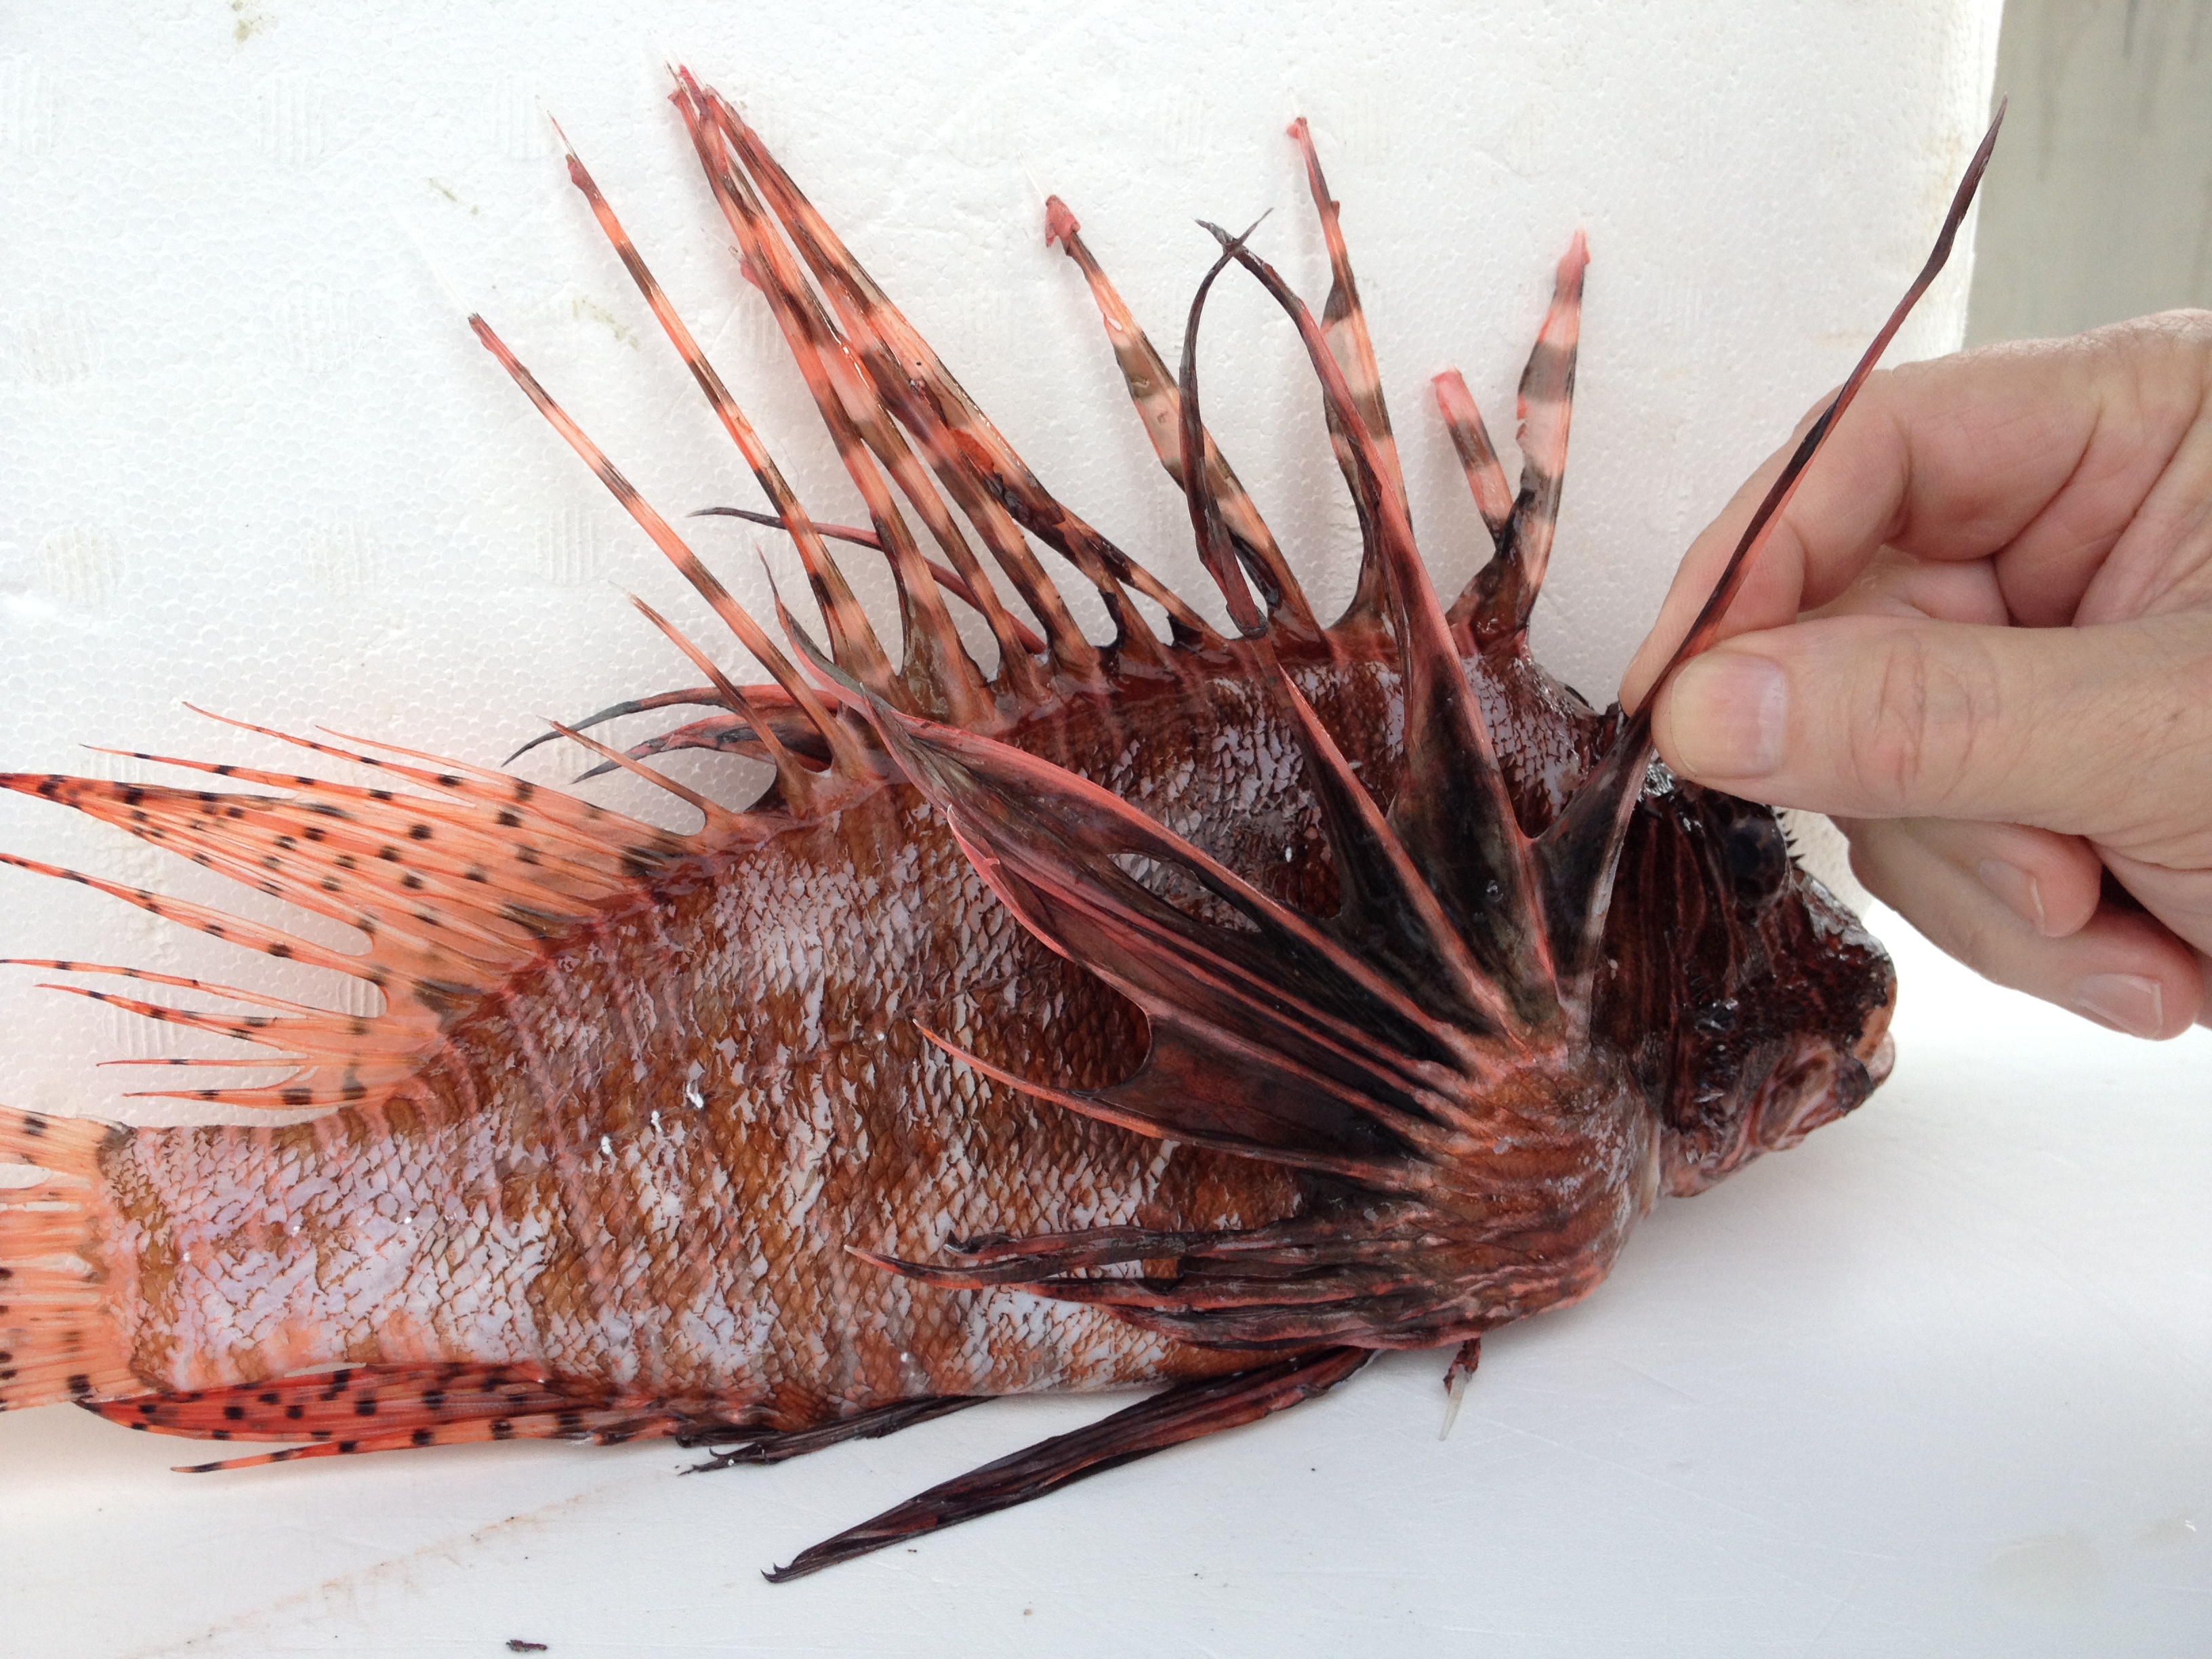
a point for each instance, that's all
(1912, 1388)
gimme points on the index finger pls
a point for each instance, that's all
(2032, 455)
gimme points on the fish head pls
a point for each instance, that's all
(1753, 1006)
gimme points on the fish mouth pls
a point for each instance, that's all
(1821, 1082)
(1813, 1082)
(1876, 1048)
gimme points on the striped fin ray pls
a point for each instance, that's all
(966, 449)
(1458, 821)
(1705, 629)
(981, 600)
(455, 885)
(1579, 854)
(1344, 327)
(1485, 481)
(1496, 603)
(718, 135)
(1478, 458)
(851, 636)
(854, 410)
(797, 782)
(1153, 389)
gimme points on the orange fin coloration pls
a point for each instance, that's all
(371, 1408)
(58, 1338)
(454, 888)
(1369, 463)
(1158, 403)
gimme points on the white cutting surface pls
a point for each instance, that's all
(1937, 1383)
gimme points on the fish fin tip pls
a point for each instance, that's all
(1059, 222)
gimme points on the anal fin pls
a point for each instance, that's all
(1188, 1410)
(754, 1446)
(367, 1408)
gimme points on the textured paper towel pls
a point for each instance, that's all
(256, 461)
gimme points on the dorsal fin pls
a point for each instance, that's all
(1706, 628)
(454, 890)
(1216, 549)
(1496, 604)
(718, 135)
(850, 634)
(922, 392)
(947, 578)
(1153, 389)
(1344, 327)
(1579, 853)
(1478, 458)
(846, 757)
(1458, 820)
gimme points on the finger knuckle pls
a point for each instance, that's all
(1922, 723)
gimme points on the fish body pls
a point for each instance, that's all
(642, 1171)
(1211, 1012)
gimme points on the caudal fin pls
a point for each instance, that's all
(58, 1336)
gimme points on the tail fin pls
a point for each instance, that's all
(59, 1339)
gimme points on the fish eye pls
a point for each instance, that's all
(1757, 855)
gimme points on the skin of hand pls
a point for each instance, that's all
(1979, 637)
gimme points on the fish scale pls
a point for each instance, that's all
(1211, 1012)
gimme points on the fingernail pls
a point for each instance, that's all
(2126, 1002)
(1727, 713)
(2016, 888)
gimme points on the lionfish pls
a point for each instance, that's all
(1214, 1011)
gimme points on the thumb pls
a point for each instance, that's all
(2100, 732)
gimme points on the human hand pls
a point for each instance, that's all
(1980, 637)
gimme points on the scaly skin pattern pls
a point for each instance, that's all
(638, 1167)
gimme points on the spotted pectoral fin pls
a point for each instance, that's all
(1189, 1411)
(388, 1408)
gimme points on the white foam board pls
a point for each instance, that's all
(1934, 1382)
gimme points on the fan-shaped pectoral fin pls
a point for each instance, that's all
(1269, 1030)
